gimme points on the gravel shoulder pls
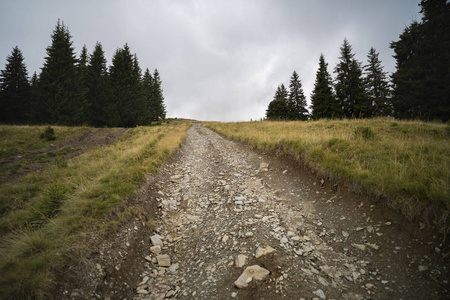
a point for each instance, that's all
(222, 207)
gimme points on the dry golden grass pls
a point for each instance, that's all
(406, 162)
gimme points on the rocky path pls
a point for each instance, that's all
(226, 208)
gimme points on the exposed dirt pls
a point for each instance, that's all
(70, 148)
(217, 199)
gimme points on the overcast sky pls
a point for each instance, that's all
(218, 60)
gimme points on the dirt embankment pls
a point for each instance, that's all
(220, 203)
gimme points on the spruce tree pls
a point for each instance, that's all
(296, 99)
(278, 108)
(323, 102)
(98, 89)
(15, 93)
(127, 95)
(377, 86)
(82, 77)
(147, 85)
(59, 88)
(422, 79)
(157, 104)
(349, 85)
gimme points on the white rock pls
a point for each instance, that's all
(359, 246)
(156, 249)
(163, 260)
(249, 234)
(233, 295)
(320, 293)
(173, 268)
(323, 281)
(345, 234)
(225, 238)
(373, 246)
(307, 271)
(263, 251)
(254, 272)
(422, 268)
(240, 260)
(156, 240)
(263, 165)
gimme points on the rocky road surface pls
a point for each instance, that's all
(225, 208)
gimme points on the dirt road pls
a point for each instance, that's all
(223, 201)
(218, 204)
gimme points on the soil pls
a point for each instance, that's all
(73, 147)
(218, 199)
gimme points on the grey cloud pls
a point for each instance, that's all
(218, 60)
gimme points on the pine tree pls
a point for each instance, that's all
(377, 86)
(297, 100)
(59, 88)
(323, 102)
(349, 84)
(278, 108)
(15, 93)
(157, 105)
(82, 74)
(127, 95)
(422, 80)
(99, 89)
(148, 88)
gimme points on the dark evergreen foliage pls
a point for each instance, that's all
(15, 92)
(98, 89)
(349, 85)
(59, 90)
(71, 91)
(296, 100)
(278, 108)
(422, 80)
(154, 96)
(323, 102)
(126, 89)
(377, 86)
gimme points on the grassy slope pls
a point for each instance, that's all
(19, 140)
(47, 211)
(406, 162)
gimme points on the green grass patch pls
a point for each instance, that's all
(403, 160)
(19, 140)
(42, 214)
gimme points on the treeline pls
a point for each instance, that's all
(420, 87)
(82, 90)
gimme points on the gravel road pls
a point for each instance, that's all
(224, 208)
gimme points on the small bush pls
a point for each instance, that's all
(364, 132)
(48, 134)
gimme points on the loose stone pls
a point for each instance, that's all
(254, 272)
(163, 260)
(241, 260)
(263, 251)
